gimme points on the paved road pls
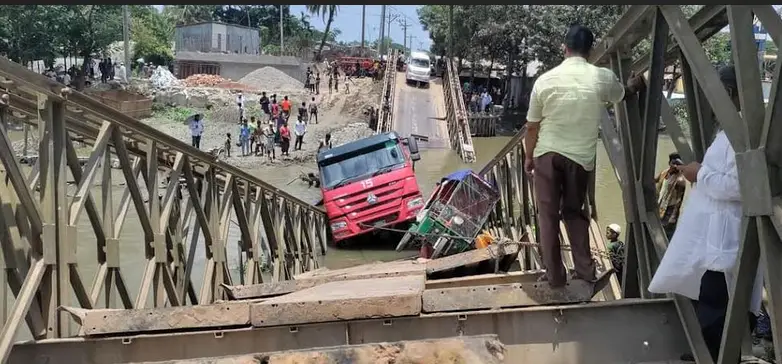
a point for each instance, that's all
(421, 111)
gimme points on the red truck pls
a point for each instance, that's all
(368, 184)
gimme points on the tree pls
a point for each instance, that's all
(324, 11)
(152, 33)
(88, 30)
(30, 32)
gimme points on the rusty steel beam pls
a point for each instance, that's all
(536, 334)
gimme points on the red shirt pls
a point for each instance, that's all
(286, 105)
(285, 132)
(275, 109)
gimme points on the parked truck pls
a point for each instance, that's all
(369, 184)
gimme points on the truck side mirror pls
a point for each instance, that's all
(415, 157)
(412, 146)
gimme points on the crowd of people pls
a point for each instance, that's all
(705, 233)
(98, 69)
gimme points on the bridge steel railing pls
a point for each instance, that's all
(515, 215)
(456, 113)
(632, 142)
(386, 104)
(40, 228)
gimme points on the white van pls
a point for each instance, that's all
(418, 68)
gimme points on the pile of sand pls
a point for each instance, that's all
(272, 79)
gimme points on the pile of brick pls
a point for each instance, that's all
(202, 80)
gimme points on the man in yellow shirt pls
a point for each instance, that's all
(565, 109)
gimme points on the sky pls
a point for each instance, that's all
(348, 20)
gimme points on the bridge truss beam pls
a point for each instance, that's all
(192, 209)
(632, 143)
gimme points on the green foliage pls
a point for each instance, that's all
(327, 12)
(519, 34)
(152, 33)
(33, 32)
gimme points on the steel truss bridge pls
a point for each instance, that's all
(171, 318)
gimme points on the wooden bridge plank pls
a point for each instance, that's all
(346, 300)
(472, 257)
(497, 296)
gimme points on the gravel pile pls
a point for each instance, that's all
(270, 78)
(162, 78)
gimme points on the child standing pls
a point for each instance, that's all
(227, 145)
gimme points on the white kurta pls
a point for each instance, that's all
(708, 234)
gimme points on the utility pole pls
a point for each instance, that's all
(403, 23)
(380, 41)
(282, 43)
(126, 38)
(363, 26)
(450, 31)
(391, 18)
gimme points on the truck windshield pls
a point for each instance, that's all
(364, 163)
(420, 63)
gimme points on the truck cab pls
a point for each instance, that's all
(369, 184)
(419, 68)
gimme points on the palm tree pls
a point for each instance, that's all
(323, 11)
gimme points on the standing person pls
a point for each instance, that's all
(286, 108)
(252, 125)
(336, 79)
(269, 132)
(313, 111)
(264, 101)
(275, 112)
(110, 69)
(308, 81)
(196, 130)
(244, 138)
(325, 143)
(227, 144)
(303, 112)
(317, 83)
(285, 139)
(671, 186)
(240, 104)
(331, 82)
(562, 134)
(299, 129)
(700, 262)
(616, 249)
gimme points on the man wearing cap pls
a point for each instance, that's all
(671, 185)
(566, 107)
(616, 249)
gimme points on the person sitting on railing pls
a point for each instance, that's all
(700, 262)
(565, 110)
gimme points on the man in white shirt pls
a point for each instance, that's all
(299, 130)
(700, 261)
(240, 104)
(196, 130)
